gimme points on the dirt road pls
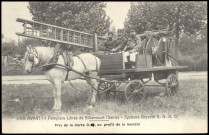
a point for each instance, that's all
(41, 79)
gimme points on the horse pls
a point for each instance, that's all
(83, 63)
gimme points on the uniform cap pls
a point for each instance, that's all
(110, 33)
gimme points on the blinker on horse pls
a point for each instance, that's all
(82, 63)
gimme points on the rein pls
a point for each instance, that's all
(82, 74)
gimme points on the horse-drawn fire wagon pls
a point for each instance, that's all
(153, 61)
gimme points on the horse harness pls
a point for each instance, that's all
(68, 60)
(31, 55)
(86, 70)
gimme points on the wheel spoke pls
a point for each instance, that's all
(138, 86)
(101, 88)
(130, 97)
(102, 85)
(118, 84)
(131, 90)
(130, 94)
(107, 85)
(131, 100)
(140, 89)
(138, 98)
(111, 94)
(131, 87)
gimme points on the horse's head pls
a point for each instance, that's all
(31, 59)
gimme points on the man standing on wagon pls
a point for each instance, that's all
(133, 45)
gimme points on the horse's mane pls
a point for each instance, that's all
(45, 53)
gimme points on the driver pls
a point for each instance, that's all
(109, 43)
(121, 42)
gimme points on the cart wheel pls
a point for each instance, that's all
(134, 91)
(106, 91)
(171, 85)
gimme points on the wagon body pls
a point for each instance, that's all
(113, 67)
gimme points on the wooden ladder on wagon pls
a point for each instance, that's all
(43, 31)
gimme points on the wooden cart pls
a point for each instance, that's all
(131, 82)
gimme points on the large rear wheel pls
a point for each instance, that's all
(172, 85)
(134, 91)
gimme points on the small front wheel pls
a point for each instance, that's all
(106, 91)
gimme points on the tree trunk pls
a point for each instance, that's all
(177, 32)
(176, 44)
(5, 60)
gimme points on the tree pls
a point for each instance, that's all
(21, 46)
(8, 48)
(179, 17)
(81, 16)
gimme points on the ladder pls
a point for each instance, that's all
(38, 30)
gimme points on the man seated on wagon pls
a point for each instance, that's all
(108, 44)
(131, 49)
(120, 42)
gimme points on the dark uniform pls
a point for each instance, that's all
(133, 43)
(108, 44)
(120, 42)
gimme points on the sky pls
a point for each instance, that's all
(117, 11)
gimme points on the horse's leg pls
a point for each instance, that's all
(57, 96)
(94, 83)
(54, 95)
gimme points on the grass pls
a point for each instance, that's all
(190, 101)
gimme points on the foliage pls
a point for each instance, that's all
(192, 44)
(21, 49)
(193, 50)
(190, 16)
(8, 48)
(179, 17)
(82, 16)
(12, 48)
